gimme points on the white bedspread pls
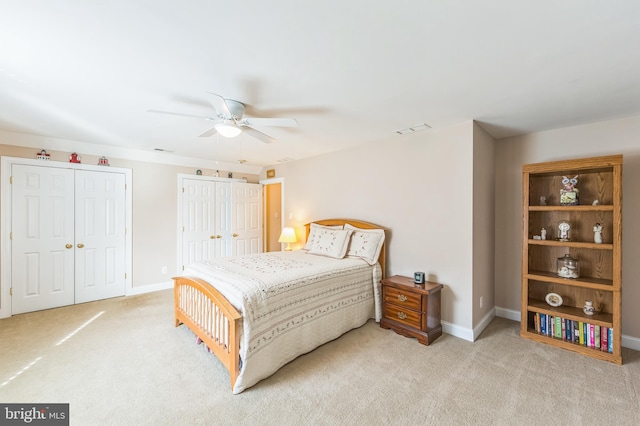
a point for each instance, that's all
(291, 303)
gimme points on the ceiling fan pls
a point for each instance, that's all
(230, 121)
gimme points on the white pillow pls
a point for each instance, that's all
(365, 243)
(331, 242)
(313, 232)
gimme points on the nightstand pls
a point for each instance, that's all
(411, 309)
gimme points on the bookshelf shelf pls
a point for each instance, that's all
(600, 280)
(575, 244)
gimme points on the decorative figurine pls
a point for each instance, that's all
(103, 161)
(588, 308)
(595, 203)
(199, 172)
(543, 200)
(216, 173)
(543, 234)
(569, 194)
(42, 155)
(74, 158)
(230, 175)
(597, 233)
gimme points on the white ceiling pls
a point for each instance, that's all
(350, 72)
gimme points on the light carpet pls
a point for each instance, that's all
(122, 362)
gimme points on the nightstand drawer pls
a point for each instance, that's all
(402, 315)
(402, 298)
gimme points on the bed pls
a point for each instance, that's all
(257, 312)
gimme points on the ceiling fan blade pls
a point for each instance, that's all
(270, 122)
(212, 131)
(155, 111)
(220, 105)
(258, 134)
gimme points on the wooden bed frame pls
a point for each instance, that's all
(206, 312)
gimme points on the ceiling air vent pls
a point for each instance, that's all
(413, 129)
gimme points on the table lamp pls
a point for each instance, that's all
(288, 236)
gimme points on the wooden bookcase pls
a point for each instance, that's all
(600, 280)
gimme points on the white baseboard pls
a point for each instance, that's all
(484, 323)
(627, 341)
(508, 314)
(466, 333)
(457, 331)
(631, 342)
(149, 288)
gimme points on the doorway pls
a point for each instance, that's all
(273, 210)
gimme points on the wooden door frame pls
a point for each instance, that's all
(6, 164)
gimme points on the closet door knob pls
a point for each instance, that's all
(218, 236)
(235, 235)
(80, 245)
(69, 246)
(211, 237)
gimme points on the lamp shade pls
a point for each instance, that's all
(288, 236)
(227, 129)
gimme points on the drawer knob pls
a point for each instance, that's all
(402, 298)
(402, 315)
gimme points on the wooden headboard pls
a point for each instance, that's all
(358, 224)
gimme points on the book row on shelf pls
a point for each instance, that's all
(579, 332)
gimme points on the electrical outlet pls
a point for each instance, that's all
(164, 270)
(481, 301)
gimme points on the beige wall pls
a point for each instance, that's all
(419, 187)
(155, 195)
(604, 138)
(483, 226)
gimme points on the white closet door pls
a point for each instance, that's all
(100, 235)
(198, 235)
(247, 217)
(222, 219)
(42, 228)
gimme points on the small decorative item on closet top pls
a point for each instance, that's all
(271, 173)
(74, 158)
(42, 155)
(103, 161)
(199, 172)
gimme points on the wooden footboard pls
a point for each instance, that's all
(212, 318)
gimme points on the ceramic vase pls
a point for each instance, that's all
(588, 307)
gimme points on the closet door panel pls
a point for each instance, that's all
(42, 218)
(100, 235)
(247, 217)
(223, 219)
(199, 237)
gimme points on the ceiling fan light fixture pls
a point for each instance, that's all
(227, 129)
